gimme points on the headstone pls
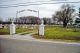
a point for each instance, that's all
(32, 26)
(26, 26)
(12, 28)
(41, 28)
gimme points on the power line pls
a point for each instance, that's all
(2, 1)
(28, 2)
(35, 4)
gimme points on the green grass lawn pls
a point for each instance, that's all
(20, 30)
(52, 32)
(6, 31)
(26, 30)
(60, 33)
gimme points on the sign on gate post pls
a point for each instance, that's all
(41, 28)
(12, 28)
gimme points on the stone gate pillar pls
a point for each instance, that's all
(41, 28)
(12, 28)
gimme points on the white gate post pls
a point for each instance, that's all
(41, 28)
(12, 28)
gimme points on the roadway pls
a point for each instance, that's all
(30, 46)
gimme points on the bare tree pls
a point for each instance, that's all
(65, 14)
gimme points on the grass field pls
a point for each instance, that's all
(6, 31)
(51, 32)
(62, 33)
(24, 31)
(58, 32)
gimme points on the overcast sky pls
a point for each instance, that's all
(46, 10)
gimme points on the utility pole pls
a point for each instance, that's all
(16, 13)
(38, 13)
(79, 12)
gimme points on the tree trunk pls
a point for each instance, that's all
(64, 23)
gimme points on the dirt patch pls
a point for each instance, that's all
(3, 33)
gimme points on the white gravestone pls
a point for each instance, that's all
(41, 28)
(12, 28)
